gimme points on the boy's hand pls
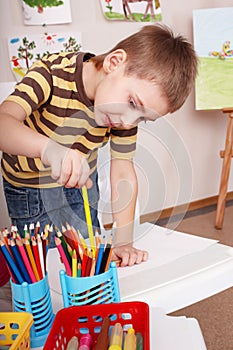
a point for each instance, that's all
(128, 255)
(68, 166)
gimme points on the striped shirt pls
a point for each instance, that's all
(56, 105)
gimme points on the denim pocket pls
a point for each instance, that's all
(22, 202)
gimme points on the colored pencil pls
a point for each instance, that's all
(26, 260)
(40, 249)
(99, 259)
(37, 230)
(88, 218)
(74, 264)
(11, 264)
(19, 261)
(64, 245)
(37, 257)
(63, 256)
(31, 258)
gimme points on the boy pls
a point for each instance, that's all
(67, 106)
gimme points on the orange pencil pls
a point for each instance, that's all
(37, 257)
(31, 258)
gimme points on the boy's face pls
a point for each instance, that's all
(123, 101)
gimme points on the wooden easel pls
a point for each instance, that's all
(226, 155)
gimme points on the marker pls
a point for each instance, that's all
(85, 342)
(139, 341)
(72, 344)
(130, 340)
(116, 337)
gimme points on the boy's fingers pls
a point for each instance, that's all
(89, 183)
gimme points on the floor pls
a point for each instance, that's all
(214, 314)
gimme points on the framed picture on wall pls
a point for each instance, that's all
(36, 12)
(132, 10)
(25, 50)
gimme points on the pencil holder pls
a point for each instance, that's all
(99, 289)
(35, 298)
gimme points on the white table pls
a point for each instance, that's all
(182, 269)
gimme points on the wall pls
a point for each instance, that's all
(178, 157)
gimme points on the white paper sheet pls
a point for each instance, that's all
(174, 333)
(164, 246)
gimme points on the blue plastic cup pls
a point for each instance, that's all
(99, 289)
(35, 298)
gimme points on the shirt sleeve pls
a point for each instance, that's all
(123, 143)
(34, 89)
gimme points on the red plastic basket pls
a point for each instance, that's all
(78, 320)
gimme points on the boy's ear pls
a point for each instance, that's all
(114, 59)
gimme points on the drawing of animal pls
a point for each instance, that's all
(149, 7)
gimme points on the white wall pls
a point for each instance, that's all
(178, 157)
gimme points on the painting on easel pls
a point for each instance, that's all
(213, 42)
(132, 10)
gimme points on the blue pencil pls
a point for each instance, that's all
(11, 264)
(19, 262)
(99, 258)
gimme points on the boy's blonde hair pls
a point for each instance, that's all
(156, 54)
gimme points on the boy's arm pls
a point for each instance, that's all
(68, 167)
(124, 190)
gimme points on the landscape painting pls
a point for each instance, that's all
(213, 42)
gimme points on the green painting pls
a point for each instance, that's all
(213, 42)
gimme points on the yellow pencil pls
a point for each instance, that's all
(74, 263)
(88, 219)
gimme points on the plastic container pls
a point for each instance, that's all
(76, 320)
(35, 298)
(15, 330)
(99, 289)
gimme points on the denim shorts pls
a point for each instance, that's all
(56, 206)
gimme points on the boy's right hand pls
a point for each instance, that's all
(68, 166)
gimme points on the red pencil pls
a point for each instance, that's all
(26, 260)
(63, 256)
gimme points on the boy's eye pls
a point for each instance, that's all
(132, 103)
